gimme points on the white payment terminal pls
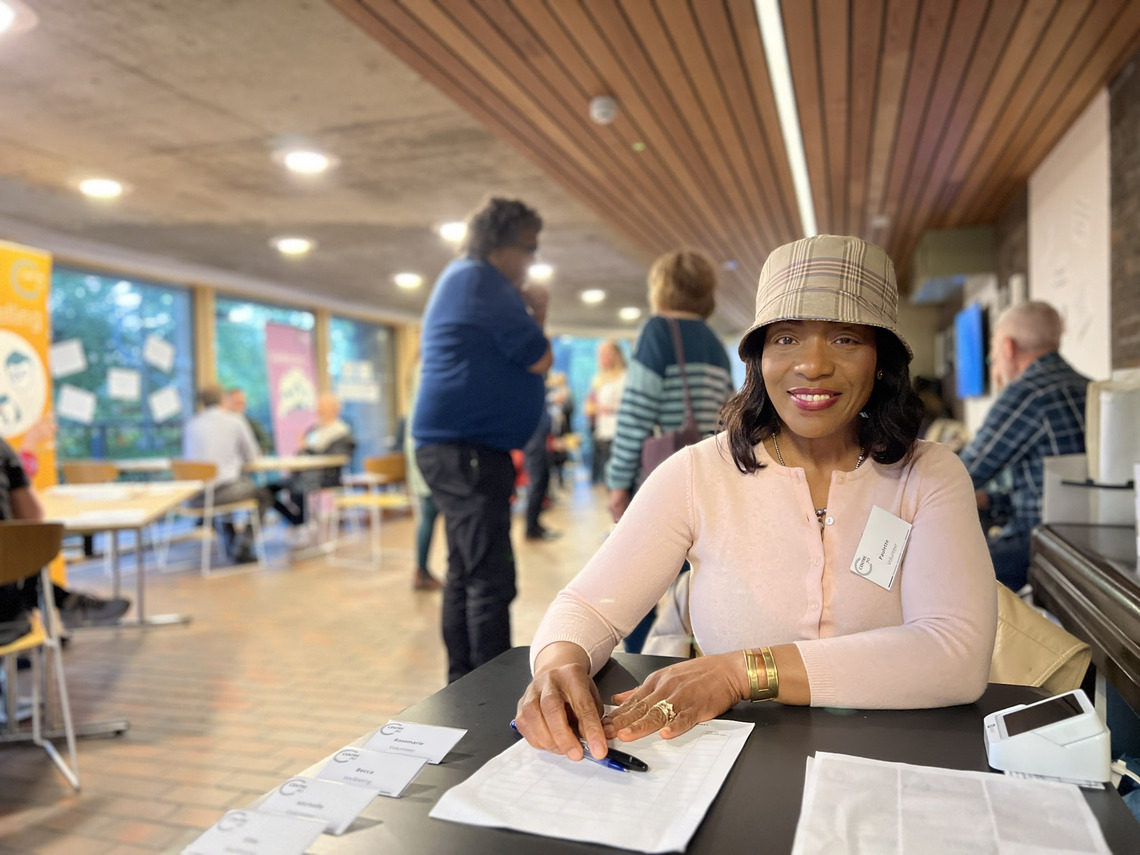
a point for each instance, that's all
(1060, 738)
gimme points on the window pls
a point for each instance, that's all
(362, 364)
(240, 330)
(126, 384)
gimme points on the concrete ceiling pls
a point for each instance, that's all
(915, 114)
(186, 102)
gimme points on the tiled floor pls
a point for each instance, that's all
(278, 667)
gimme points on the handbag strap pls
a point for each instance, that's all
(679, 352)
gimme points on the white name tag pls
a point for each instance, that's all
(386, 774)
(337, 805)
(426, 741)
(881, 548)
(247, 832)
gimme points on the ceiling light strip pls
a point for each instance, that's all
(779, 70)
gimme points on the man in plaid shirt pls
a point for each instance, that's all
(1039, 413)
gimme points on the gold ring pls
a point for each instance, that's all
(666, 708)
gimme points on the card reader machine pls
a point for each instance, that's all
(1060, 737)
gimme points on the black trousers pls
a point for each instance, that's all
(537, 462)
(472, 487)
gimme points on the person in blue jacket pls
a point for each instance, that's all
(481, 395)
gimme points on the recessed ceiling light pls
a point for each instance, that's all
(629, 313)
(540, 272)
(306, 162)
(454, 232)
(101, 188)
(15, 17)
(729, 264)
(593, 296)
(293, 245)
(408, 281)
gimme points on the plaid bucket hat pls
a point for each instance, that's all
(827, 278)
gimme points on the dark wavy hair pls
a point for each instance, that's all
(894, 412)
(498, 223)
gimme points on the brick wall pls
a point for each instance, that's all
(1124, 143)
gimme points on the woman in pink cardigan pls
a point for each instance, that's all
(798, 592)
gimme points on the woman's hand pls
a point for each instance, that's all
(561, 703)
(698, 690)
(619, 501)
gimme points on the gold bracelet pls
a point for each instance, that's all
(772, 689)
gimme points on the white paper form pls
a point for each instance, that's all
(852, 804)
(529, 790)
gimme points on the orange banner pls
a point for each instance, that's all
(25, 379)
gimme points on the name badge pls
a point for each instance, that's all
(386, 774)
(337, 805)
(429, 742)
(247, 832)
(881, 548)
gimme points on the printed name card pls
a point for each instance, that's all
(247, 832)
(881, 548)
(426, 741)
(386, 774)
(337, 805)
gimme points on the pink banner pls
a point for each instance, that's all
(292, 384)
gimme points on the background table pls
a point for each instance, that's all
(756, 810)
(94, 508)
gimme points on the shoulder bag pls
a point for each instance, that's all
(656, 449)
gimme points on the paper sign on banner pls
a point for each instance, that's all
(386, 774)
(165, 403)
(123, 384)
(337, 805)
(880, 550)
(76, 404)
(67, 358)
(159, 353)
(426, 741)
(247, 832)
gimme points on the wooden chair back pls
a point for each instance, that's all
(25, 547)
(89, 471)
(193, 470)
(388, 468)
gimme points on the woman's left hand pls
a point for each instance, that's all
(697, 690)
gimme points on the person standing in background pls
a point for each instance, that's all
(481, 395)
(682, 286)
(603, 403)
(426, 511)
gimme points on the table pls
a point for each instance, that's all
(756, 810)
(1087, 576)
(142, 465)
(93, 508)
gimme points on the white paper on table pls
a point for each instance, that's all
(530, 790)
(337, 805)
(124, 384)
(852, 804)
(427, 741)
(109, 516)
(247, 832)
(159, 353)
(165, 404)
(67, 357)
(75, 404)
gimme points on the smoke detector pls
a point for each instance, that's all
(603, 109)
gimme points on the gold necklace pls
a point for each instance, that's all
(820, 513)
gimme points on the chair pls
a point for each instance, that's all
(383, 472)
(95, 472)
(194, 470)
(1031, 650)
(26, 548)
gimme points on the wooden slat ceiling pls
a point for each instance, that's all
(915, 115)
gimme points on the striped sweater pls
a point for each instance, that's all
(654, 395)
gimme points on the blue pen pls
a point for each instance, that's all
(619, 761)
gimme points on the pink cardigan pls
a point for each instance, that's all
(764, 575)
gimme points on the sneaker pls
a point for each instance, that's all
(424, 581)
(543, 534)
(85, 610)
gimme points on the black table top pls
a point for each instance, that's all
(756, 810)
